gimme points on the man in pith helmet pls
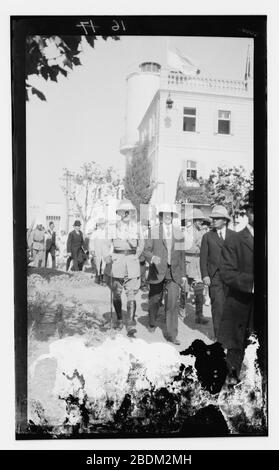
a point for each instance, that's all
(165, 253)
(123, 266)
(210, 259)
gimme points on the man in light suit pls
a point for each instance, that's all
(165, 253)
(210, 258)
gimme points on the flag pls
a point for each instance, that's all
(177, 61)
(248, 65)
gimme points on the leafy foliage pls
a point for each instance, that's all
(65, 51)
(90, 185)
(192, 194)
(230, 187)
(138, 182)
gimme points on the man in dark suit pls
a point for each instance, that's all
(51, 244)
(237, 272)
(76, 247)
(210, 258)
(165, 252)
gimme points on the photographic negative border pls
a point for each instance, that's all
(215, 26)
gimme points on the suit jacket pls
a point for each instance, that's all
(51, 241)
(237, 272)
(75, 244)
(156, 246)
(210, 254)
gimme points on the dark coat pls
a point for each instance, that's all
(237, 272)
(76, 246)
(51, 242)
(210, 254)
(156, 246)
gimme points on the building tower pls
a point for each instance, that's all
(140, 89)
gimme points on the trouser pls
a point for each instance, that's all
(217, 297)
(68, 262)
(131, 288)
(142, 274)
(78, 262)
(198, 289)
(52, 253)
(171, 306)
(39, 258)
(77, 265)
(234, 359)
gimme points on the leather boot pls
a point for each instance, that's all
(134, 308)
(118, 309)
(131, 310)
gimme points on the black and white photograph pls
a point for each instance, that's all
(140, 308)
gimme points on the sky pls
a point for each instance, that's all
(83, 117)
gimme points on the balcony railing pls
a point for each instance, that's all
(178, 81)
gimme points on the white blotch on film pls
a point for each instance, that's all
(99, 378)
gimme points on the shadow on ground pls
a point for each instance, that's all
(189, 320)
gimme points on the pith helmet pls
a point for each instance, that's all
(166, 207)
(125, 205)
(220, 212)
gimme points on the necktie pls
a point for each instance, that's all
(221, 235)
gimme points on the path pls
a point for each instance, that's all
(41, 385)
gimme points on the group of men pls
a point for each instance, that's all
(218, 258)
(43, 244)
(199, 257)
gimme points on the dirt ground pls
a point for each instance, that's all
(43, 333)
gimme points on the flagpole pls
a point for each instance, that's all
(167, 50)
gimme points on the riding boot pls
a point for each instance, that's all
(118, 309)
(131, 310)
(134, 308)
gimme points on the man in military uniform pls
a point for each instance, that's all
(194, 234)
(123, 266)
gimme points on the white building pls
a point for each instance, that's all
(46, 213)
(193, 124)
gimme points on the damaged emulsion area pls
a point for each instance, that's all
(128, 386)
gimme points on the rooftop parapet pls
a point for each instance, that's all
(177, 81)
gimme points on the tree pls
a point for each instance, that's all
(192, 194)
(138, 182)
(229, 187)
(64, 56)
(90, 185)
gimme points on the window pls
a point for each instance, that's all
(54, 218)
(191, 171)
(189, 119)
(224, 122)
